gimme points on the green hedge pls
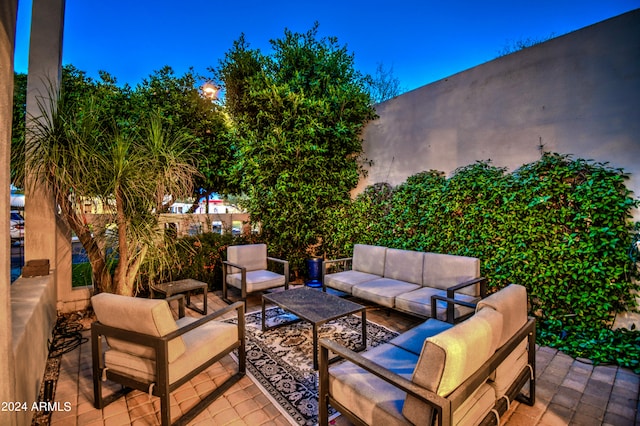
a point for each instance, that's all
(559, 226)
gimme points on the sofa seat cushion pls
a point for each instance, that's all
(345, 280)
(382, 291)
(202, 344)
(369, 259)
(476, 407)
(404, 265)
(413, 340)
(451, 357)
(419, 302)
(257, 280)
(366, 395)
(146, 316)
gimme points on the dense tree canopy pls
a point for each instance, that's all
(298, 113)
(175, 99)
(127, 149)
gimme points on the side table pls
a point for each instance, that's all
(183, 286)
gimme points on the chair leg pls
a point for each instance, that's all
(96, 358)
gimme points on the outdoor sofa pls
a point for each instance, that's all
(438, 372)
(407, 280)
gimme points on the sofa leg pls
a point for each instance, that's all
(165, 409)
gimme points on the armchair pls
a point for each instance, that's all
(150, 351)
(246, 269)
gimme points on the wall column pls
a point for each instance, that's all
(43, 81)
(8, 17)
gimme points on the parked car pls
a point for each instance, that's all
(16, 228)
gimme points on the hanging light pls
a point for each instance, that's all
(210, 91)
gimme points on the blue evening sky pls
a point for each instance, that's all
(423, 40)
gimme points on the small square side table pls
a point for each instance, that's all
(183, 286)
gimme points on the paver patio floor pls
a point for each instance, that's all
(568, 392)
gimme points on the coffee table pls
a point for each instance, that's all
(317, 308)
(183, 286)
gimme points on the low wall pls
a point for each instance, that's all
(33, 316)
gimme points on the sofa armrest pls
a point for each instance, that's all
(482, 281)
(326, 263)
(439, 403)
(450, 307)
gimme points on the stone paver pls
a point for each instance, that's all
(568, 392)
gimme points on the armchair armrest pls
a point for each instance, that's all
(237, 306)
(437, 402)
(285, 264)
(152, 341)
(180, 297)
(233, 265)
(326, 263)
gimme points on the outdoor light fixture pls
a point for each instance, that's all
(210, 91)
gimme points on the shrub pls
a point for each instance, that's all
(559, 226)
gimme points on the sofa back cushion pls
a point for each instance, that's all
(451, 357)
(404, 265)
(146, 316)
(369, 259)
(511, 302)
(251, 256)
(445, 270)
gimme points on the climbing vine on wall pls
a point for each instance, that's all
(559, 226)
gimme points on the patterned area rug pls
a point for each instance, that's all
(280, 360)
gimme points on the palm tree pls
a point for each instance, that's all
(132, 172)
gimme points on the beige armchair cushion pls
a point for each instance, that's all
(251, 256)
(404, 265)
(257, 280)
(369, 259)
(451, 357)
(202, 344)
(445, 270)
(146, 316)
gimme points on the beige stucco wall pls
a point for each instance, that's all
(8, 16)
(576, 94)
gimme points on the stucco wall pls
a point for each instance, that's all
(577, 94)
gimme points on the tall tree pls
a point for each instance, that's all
(298, 113)
(180, 101)
(78, 156)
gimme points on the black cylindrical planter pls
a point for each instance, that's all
(314, 271)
